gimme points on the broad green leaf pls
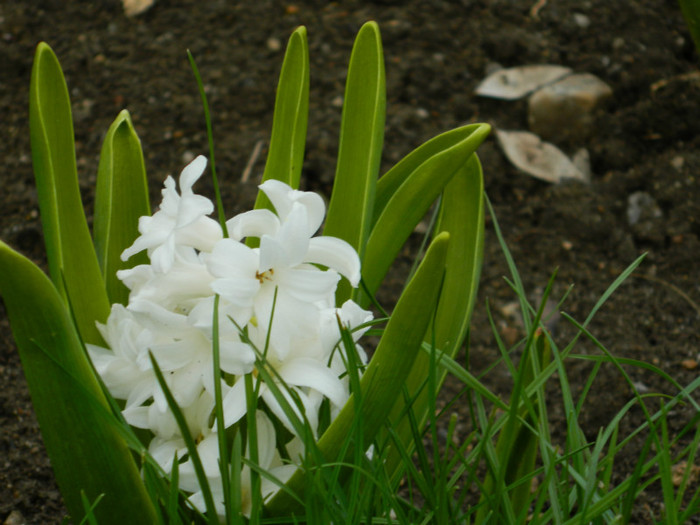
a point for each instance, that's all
(395, 177)
(69, 247)
(359, 152)
(691, 13)
(386, 373)
(462, 216)
(286, 155)
(120, 199)
(86, 450)
(411, 200)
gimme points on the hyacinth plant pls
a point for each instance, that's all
(184, 368)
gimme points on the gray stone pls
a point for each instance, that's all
(565, 111)
(640, 207)
(15, 518)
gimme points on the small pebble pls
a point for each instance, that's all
(187, 157)
(641, 206)
(689, 364)
(422, 113)
(678, 162)
(274, 44)
(582, 20)
(618, 43)
(15, 518)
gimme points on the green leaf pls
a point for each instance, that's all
(361, 137)
(395, 177)
(462, 216)
(86, 450)
(382, 382)
(69, 248)
(517, 445)
(691, 13)
(120, 199)
(412, 198)
(286, 155)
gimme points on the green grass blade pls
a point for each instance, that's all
(69, 247)
(385, 375)
(410, 202)
(87, 452)
(361, 139)
(121, 198)
(288, 138)
(220, 213)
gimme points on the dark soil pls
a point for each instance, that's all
(436, 52)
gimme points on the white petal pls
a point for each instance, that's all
(266, 439)
(337, 254)
(283, 197)
(234, 403)
(308, 284)
(352, 316)
(294, 235)
(163, 451)
(191, 208)
(279, 194)
(239, 292)
(232, 258)
(192, 172)
(310, 373)
(202, 234)
(255, 223)
(236, 358)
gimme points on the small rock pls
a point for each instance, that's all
(641, 206)
(645, 218)
(422, 113)
(565, 110)
(640, 387)
(15, 518)
(678, 162)
(83, 110)
(618, 43)
(274, 44)
(516, 82)
(689, 364)
(337, 101)
(582, 160)
(187, 157)
(582, 20)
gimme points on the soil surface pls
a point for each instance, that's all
(646, 140)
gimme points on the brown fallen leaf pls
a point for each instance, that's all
(543, 160)
(136, 7)
(516, 82)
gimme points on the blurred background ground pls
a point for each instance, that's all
(646, 140)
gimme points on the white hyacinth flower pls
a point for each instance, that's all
(277, 299)
(180, 222)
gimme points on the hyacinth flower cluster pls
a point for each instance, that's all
(281, 295)
(219, 341)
